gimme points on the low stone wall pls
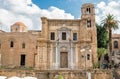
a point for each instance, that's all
(52, 74)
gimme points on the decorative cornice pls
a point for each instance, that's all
(42, 40)
(84, 40)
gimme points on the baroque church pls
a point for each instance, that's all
(61, 44)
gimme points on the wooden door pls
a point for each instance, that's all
(64, 59)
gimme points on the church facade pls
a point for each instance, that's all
(61, 44)
(115, 48)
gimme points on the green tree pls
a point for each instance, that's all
(101, 52)
(102, 37)
(102, 41)
(60, 77)
(110, 23)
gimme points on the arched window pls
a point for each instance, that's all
(115, 44)
(88, 23)
(23, 45)
(74, 36)
(88, 56)
(88, 10)
(11, 44)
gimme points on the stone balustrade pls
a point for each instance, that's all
(51, 74)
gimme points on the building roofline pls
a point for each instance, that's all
(2, 31)
(60, 19)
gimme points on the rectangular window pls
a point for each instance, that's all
(11, 44)
(23, 45)
(63, 35)
(74, 36)
(52, 36)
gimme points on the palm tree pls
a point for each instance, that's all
(110, 23)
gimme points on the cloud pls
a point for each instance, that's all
(25, 11)
(54, 12)
(112, 7)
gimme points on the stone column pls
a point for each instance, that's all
(51, 56)
(44, 58)
(71, 56)
(76, 57)
(37, 59)
(56, 57)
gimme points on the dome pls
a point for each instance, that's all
(18, 27)
(19, 24)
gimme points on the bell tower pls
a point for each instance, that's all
(88, 13)
(89, 26)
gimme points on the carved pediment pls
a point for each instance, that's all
(64, 29)
(64, 49)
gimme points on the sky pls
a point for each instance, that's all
(30, 11)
